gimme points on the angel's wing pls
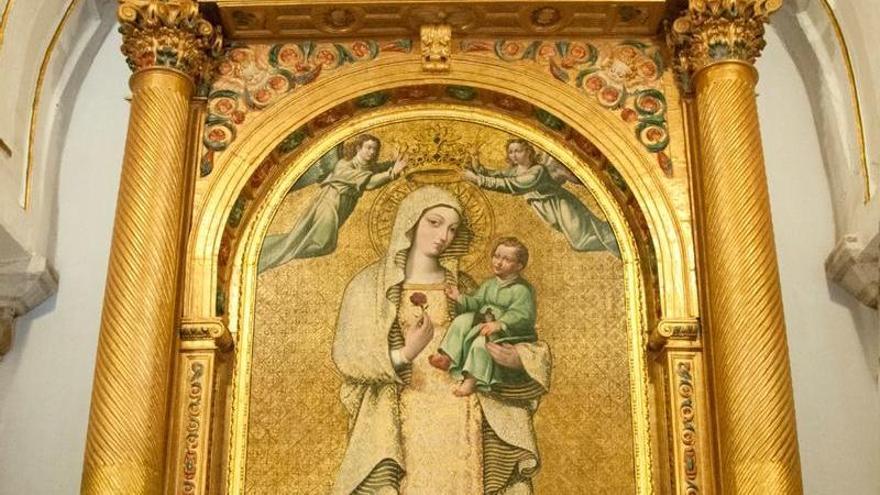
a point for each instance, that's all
(558, 172)
(320, 169)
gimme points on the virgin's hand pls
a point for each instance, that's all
(505, 355)
(470, 176)
(487, 329)
(417, 337)
(453, 293)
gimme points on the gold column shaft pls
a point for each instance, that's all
(752, 380)
(125, 446)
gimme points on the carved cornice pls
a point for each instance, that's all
(168, 33)
(712, 31)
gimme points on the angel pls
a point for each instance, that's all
(342, 182)
(540, 179)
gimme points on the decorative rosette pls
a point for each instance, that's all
(219, 133)
(253, 77)
(653, 135)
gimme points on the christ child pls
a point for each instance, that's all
(502, 310)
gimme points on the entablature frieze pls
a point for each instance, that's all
(263, 20)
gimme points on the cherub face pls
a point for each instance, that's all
(367, 152)
(518, 154)
(436, 230)
(505, 261)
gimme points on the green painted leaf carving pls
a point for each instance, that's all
(549, 120)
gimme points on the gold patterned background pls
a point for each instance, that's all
(297, 430)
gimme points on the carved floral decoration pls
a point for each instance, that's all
(689, 431)
(253, 77)
(170, 33)
(623, 77)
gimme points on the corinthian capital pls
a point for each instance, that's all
(167, 33)
(711, 31)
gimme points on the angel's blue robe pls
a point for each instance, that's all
(556, 205)
(317, 230)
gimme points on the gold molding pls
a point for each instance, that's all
(854, 96)
(243, 285)
(35, 106)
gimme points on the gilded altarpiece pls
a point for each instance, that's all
(605, 404)
(355, 309)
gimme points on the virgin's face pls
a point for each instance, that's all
(436, 230)
(367, 152)
(518, 154)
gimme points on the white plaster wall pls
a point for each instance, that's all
(46, 379)
(832, 338)
(30, 28)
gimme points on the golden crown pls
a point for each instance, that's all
(436, 153)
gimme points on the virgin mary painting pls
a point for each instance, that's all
(407, 433)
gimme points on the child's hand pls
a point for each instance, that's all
(487, 329)
(453, 293)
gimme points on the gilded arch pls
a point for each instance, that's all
(255, 142)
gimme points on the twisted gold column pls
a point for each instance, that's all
(164, 41)
(126, 442)
(717, 42)
(753, 394)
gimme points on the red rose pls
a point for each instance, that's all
(610, 95)
(594, 83)
(326, 58)
(654, 134)
(289, 55)
(547, 51)
(578, 51)
(648, 70)
(224, 106)
(360, 49)
(629, 115)
(419, 299)
(216, 135)
(277, 83)
(238, 56)
(262, 95)
(650, 104)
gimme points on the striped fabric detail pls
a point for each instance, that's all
(395, 341)
(526, 391)
(501, 461)
(386, 474)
